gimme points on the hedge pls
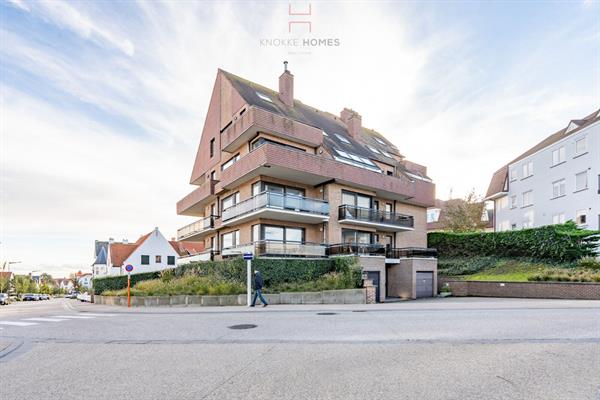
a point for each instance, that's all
(274, 271)
(558, 243)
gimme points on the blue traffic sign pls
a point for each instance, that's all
(129, 268)
(247, 256)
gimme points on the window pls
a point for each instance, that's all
(145, 260)
(170, 260)
(558, 188)
(158, 259)
(581, 181)
(513, 174)
(342, 139)
(503, 202)
(388, 207)
(528, 220)
(558, 156)
(213, 176)
(212, 147)
(380, 141)
(527, 169)
(528, 198)
(264, 97)
(581, 217)
(260, 141)
(356, 199)
(513, 201)
(230, 201)
(325, 133)
(230, 239)
(513, 226)
(374, 150)
(433, 215)
(580, 146)
(285, 234)
(353, 236)
(230, 162)
(385, 153)
(357, 161)
(558, 218)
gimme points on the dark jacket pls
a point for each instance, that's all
(258, 281)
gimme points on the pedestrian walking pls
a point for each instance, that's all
(258, 285)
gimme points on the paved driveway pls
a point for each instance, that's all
(440, 348)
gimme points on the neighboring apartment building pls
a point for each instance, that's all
(555, 181)
(279, 178)
(151, 252)
(436, 216)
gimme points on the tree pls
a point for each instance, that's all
(464, 215)
(24, 284)
(4, 284)
(46, 279)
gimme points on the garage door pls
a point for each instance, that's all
(424, 284)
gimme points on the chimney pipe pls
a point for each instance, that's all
(286, 86)
(353, 122)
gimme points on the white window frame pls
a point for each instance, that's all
(527, 198)
(527, 169)
(578, 151)
(513, 201)
(514, 175)
(578, 215)
(342, 139)
(381, 141)
(587, 181)
(558, 218)
(559, 188)
(528, 219)
(263, 96)
(558, 156)
(235, 241)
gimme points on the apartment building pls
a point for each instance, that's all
(555, 181)
(279, 178)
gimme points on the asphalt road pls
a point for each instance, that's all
(431, 349)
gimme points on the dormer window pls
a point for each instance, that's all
(264, 97)
(342, 139)
(571, 127)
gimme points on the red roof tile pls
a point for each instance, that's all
(187, 248)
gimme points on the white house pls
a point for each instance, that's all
(84, 280)
(151, 252)
(555, 181)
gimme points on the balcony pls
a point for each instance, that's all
(193, 204)
(310, 169)
(411, 252)
(197, 230)
(382, 220)
(279, 207)
(272, 248)
(255, 119)
(365, 249)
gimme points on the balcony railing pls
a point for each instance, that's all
(275, 248)
(197, 227)
(371, 215)
(372, 249)
(276, 201)
(411, 252)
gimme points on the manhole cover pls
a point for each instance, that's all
(242, 326)
(327, 313)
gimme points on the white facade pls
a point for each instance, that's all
(561, 182)
(85, 280)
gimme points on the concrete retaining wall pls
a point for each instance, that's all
(346, 296)
(538, 290)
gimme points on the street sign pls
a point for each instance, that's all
(247, 256)
(129, 268)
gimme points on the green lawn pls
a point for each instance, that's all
(490, 269)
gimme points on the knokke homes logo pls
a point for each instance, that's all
(300, 31)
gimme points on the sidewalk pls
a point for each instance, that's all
(432, 304)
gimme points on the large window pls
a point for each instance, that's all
(558, 188)
(260, 141)
(230, 239)
(230, 162)
(170, 260)
(357, 161)
(558, 155)
(259, 187)
(528, 219)
(580, 146)
(513, 174)
(528, 198)
(581, 181)
(558, 218)
(513, 201)
(230, 201)
(354, 236)
(356, 199)
(287, 234)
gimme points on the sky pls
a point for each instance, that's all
(102, 103)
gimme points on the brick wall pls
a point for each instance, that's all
(547, 290)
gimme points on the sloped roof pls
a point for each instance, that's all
(499, 178)
(119, 252)
(329, 123)
(187, 248)
(6, 274)
(101, 257)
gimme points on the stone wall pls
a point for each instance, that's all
(346, 296)
(540, 290)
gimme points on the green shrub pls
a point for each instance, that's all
(559, 243)
(589, 262)
(464, 266)
(566, 275)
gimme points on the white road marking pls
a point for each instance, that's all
(44, 319)
(73, 317)
(100, 315)
(16, 323)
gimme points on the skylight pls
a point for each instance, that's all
(342, 139)
(374, 150)
(264, 97)
(381, 141)
(357, 161)
(385, 153)
(325, 133)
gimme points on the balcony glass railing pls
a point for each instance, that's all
(276, 201)
(275, 248)
(356, 248)
(196, 227)
(411, 252)
(348, 212)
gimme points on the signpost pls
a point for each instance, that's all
(129, 268)
(248, 258)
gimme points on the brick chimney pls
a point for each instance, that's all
(286, 86)
(353, 122)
